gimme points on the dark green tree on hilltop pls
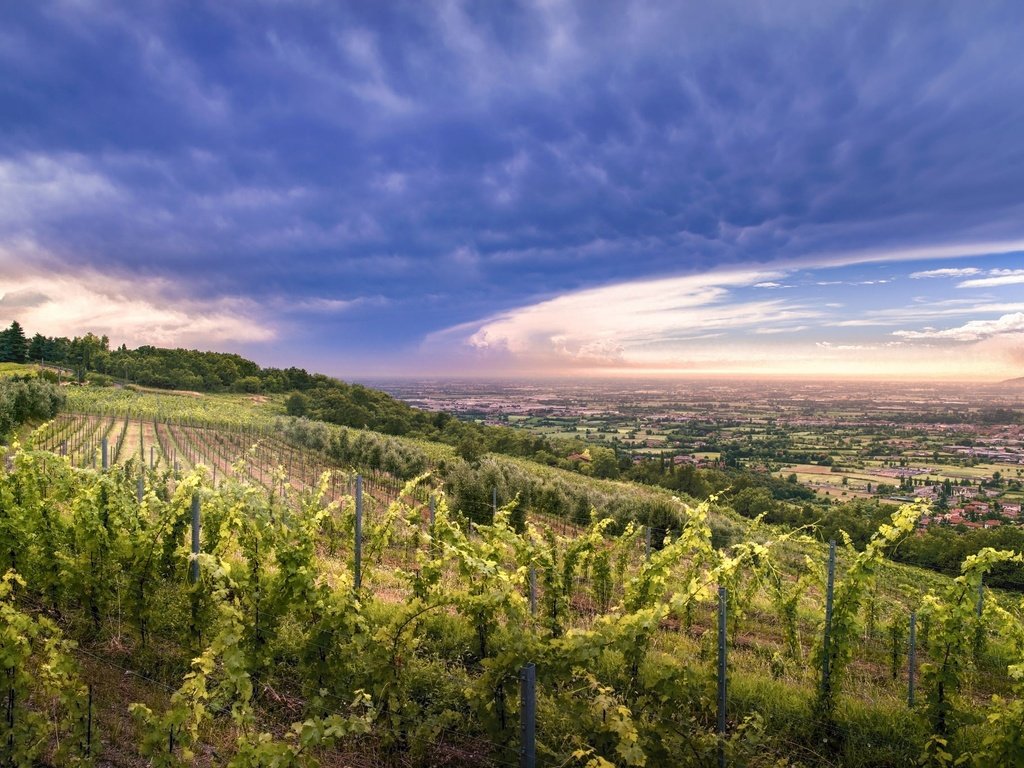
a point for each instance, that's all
(87, 351)
(37, 348)
(13, 344)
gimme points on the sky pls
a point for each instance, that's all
(522, 188)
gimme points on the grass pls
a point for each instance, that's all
(18, 369)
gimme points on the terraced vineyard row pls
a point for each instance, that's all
(258, 455)
(414, 658)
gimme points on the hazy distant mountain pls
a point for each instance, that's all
(1018, 382)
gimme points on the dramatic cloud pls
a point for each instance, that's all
(716, 323)
(132, 311)
(627, 322)
(376, 173)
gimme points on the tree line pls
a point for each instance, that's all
(314, 395)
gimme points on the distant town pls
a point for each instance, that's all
(959, 446)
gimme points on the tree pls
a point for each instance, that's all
(84, 351)
(751, 502)
(603, 462)
(37, 348)
(297, 404)
(471, 448)
(248, 384)
(13, 344)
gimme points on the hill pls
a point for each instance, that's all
(414, 657)
(293, 391)
(314, 395)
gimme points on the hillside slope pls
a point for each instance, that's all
(310, 394)
(413, 655)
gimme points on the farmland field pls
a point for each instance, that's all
(840, 440)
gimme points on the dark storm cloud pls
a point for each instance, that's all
(452, 159)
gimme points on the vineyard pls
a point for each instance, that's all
(214, 594)
(257, 455)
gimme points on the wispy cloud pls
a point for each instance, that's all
(780, 329)
(925, 312)
(975, 330)
(843, 347)
(945, 272)
(320, 305)
(997, 277)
